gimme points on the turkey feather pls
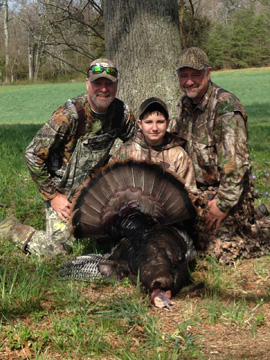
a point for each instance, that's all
(142, 208)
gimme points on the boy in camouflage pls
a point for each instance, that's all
(152, 142)
(72, 144)
(213, 125)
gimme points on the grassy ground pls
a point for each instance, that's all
(42, 317)
(28, 104)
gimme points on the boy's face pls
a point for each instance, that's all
(154, 126)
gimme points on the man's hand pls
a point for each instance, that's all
(214, 215)
(62, 206)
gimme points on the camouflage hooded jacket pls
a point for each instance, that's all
(61, 155)
(215, 134)
(170, 155)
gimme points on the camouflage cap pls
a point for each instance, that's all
(150, 101)
(192, 57)
(103, 63)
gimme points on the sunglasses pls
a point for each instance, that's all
(98, 69)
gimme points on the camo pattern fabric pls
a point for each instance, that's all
(170, 155)
(54, 241)
(59, 160)
(237, 238)
(54, 154)
(241, 234)
(215, 134)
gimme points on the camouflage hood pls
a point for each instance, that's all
(170, 141)
(171, 156)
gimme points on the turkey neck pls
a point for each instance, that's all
(131, 225)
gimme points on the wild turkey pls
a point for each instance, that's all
(142, 209)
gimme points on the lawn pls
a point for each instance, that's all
(42, 317)
(34, 104)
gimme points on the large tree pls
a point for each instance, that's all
(143, 39)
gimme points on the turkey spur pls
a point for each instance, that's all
(143, 209)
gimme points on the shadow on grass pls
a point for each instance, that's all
(259, 127)
(17, 136)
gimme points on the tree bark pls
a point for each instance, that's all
(6, 34)
(143, 39)
(30, 60)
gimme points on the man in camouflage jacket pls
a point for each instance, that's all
(72, 144)
(213, 124)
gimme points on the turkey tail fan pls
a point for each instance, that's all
(126, 186)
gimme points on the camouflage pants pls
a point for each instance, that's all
(235, 240)
(55, 240)
(240, 235)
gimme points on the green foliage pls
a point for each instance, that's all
(243, 42)
(196, 34)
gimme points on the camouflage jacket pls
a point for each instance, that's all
(215, 134)
(171, 156)
(61, 156)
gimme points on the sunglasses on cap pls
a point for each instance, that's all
(98, 69)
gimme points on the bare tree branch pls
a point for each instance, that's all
(191, 21)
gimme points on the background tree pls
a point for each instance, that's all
(52, 39)
(78, 32)
(6, 35)
(194, 24)
(143, 39)
(243, 41)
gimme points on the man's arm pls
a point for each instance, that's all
(233, 160)
(50, 138)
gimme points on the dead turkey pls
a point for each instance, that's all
(143, 210)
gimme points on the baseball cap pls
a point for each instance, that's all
(102, 68)
(192, 57)
(153, 100)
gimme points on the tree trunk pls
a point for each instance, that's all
(143, 39)
(6, 34)
(30, 58)
(38, 56)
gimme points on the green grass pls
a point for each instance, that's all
(46, 318)
(34, 104)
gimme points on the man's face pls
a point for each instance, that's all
(100, 93)
(154, 127)
(194, 82)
